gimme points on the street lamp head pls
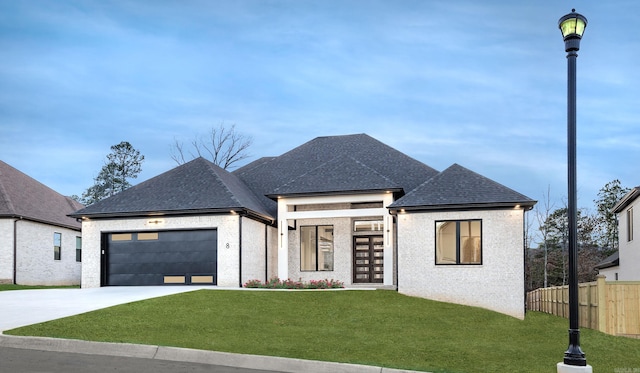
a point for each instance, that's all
(572, 27)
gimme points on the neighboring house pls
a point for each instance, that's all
(348, 208)
(624, 264)
(39, 243)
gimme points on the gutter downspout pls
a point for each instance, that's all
(15, 250)
(266, 253)
(240, 249)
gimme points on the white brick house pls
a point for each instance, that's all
(39, 243)
(348, 208)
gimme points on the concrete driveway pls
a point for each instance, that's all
(25, 307)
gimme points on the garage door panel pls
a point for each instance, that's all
(144, 258)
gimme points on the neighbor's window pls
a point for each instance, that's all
(78, 249)
(316, 248)
(368, 225)
(459, 242)
(630, 224)
(57, 245)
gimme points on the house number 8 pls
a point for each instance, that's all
(227, 245)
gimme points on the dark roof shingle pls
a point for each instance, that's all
(458, 187)
(25, 197)
(335, 164)
(194, 187)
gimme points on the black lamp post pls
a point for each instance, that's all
(572, 26)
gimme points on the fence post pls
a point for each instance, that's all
(602, 303)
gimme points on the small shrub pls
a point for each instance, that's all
(276, 283)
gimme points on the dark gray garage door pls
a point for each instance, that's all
(159, 258)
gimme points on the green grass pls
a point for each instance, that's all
(381, 328)
(4, 287)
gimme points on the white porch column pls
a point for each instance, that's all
(283, 240)
(388, 240)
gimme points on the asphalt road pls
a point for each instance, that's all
(16, 360)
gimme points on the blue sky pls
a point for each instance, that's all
(478, 83)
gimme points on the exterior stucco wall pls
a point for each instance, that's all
(6, 251)
(35, 264)
(629, 251)
(228, 242)
(253, 251)
(342, 247)
(497, 284)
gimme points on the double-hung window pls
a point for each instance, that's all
(316, 248)
(459, 242)
(57, 246)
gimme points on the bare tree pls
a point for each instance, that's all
(542, 215)
(222, 146)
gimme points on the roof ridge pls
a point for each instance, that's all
(211, 166)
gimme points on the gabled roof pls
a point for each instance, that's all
(612, 260)
(335, 164)
(198, 186)
(457, 187)
(24, 197)
(626, 200)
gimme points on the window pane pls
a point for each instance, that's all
(57, 245)
(325, 248)
(446, 242)
(470, 242)
(368, 225)
(78, 249)
(308, 248)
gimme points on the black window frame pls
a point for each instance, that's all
(57, 249)
(458, 248)
(317, 247)
(78, 249)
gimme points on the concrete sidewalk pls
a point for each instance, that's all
(25, 307)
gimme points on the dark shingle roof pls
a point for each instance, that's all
(612, 260)
(24, 197)
(336, 164)
(195, 187)
(458, 187)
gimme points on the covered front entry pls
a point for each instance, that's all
(368, 259)
(158, 258)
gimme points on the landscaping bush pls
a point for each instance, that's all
(276, 283)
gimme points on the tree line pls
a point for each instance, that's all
(547, 262)
(222, 145)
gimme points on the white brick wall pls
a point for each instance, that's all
(253, 250)
(6, 251)
(35, 264)
(497, 284)
(228, 240)
(342, 247)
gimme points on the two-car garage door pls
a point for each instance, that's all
(159, 258)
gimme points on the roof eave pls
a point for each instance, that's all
(42, 221)
(160, 213)
(626, 200)
(527, 205)
(334, 193)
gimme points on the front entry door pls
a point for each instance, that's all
(368, 259)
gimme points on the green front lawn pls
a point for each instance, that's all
(380, 328)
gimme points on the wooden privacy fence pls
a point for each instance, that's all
(610, 307)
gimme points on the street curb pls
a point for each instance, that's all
(279, 364)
